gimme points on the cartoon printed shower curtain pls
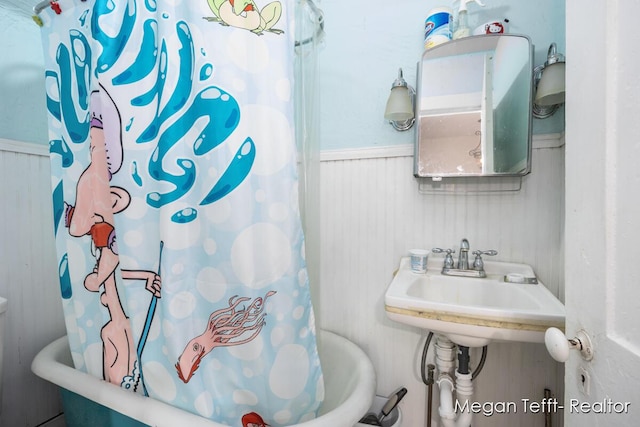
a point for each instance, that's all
(180, 248)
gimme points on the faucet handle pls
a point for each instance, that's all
(448, 258)
(478, 263)
(490, 252)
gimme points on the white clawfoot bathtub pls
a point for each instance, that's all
(348, 374)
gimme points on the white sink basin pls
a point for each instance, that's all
(474, 311)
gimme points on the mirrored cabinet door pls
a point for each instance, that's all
(473, 108)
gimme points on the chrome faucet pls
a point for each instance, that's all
(463, 258)
(463, 268)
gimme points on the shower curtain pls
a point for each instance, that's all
(180, 246)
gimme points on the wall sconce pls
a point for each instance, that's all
(400, 105)
(549, 84)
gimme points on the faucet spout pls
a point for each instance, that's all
(463, 258)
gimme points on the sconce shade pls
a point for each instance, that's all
(551, 88)
(399, 107)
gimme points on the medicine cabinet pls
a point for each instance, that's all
(473, 108)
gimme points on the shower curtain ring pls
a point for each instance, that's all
(56, 7)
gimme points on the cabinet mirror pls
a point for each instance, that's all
(473, 108)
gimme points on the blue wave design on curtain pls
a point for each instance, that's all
(60, 147)
(234, 174)
(184, 114)
(147, 57)
(158, 87)
(64, 109)
(58, 206)
(183, 88)
(223, 115)
(53, 106)
(112, 46)
(81, 61)
(77, 128)
(65, 279)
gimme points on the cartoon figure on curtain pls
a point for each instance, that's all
(226, 327)
(253, 419)
(96, 203)
(246, 14)
(176, 123)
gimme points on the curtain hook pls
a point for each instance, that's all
(56, 7)
(37, 20)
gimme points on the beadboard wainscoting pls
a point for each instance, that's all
(372, 214)
(28, 280)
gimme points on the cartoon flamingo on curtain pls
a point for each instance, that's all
(226, 327)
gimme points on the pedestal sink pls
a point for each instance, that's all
(471, 311)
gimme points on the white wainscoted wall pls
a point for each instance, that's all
(28, 279)
(372, 214)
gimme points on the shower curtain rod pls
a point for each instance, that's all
(40, 6)
(320, 22)
(317, 12)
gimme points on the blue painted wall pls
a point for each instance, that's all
(366, 43)
(22, 96)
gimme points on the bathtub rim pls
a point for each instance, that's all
(54, 364)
